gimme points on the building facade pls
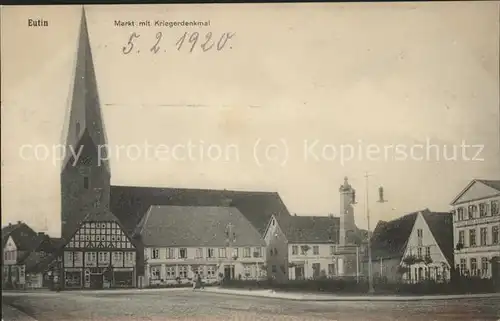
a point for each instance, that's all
(476, 225)
(99, 255)
(413, 248)
(21, 245)
(305, 247)
(216, 243)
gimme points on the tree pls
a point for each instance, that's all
(409, 261)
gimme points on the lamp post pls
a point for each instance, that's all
(367, 206)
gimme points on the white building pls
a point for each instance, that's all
(181, 242)
(476, 227)
(304, 247)
(413, 248)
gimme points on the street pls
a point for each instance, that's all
(183, 304)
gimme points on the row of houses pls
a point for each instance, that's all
(171, 244)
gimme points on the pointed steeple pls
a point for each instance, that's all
(84, 115)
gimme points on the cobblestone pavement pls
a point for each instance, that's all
(189, 305)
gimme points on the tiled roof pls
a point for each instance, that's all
(192, 226)
(23, 235)
(130, 204)
(491, 183)
(441, 226)
(310, 229)
(389, 238)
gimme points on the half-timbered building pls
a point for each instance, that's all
(99, 255)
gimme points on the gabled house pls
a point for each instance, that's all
(302, 247)
(413, 248)
(476, 224)
(99, 254)
(182, 242)
(21, 247)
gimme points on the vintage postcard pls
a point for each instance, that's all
(320, 161)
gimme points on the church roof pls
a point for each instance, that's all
(84, 114)
(130, 204)
(195, 226)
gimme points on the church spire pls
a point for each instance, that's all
(84, 115)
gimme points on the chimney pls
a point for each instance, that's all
(18, 222)
(10, 224)
(41, 233)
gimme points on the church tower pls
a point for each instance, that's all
(347, 225)
(85, 172)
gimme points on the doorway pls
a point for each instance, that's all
(96, 281)
(229, 272)
(299, 272)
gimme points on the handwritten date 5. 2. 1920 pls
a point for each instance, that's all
(189, 42)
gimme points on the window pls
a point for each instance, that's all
(420, 234)
(460, 214)
(258, 252)
(495, 208)
(295, 250)
(183, 270)
(199, 253)
(210, 253)
(461, 237)
(86, 182)
(472, 211)
(331, 269)
(183, 253)
(419, 251)
(484, 266)
(273, 269)
(428, 251)
(155, 273)
(437, 272)
(472, 237)
(246, 252)
(246, 270)
(332, 250)
(155, 253)
(495, 235)
(483, 235)
(200, 270)
(170, 253)
(316, 250)
(483, 209)
(211, 271)
(473, 266)
(235, 254)
(222, 252)
(303, 250)
(170, 272)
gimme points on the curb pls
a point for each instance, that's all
(274, 295)
(11, 313)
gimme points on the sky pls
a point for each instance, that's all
(300, 96)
